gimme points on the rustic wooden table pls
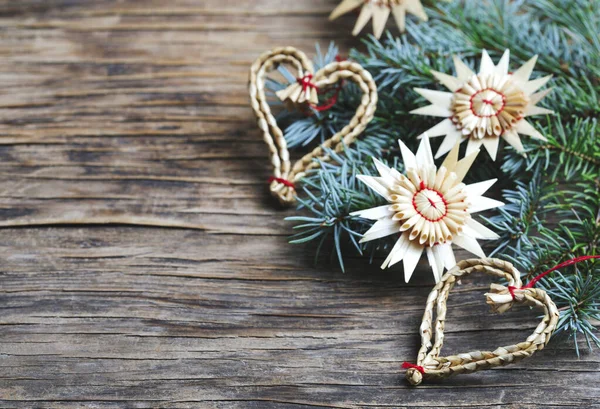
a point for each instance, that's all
(144, 263)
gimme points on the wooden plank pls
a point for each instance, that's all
(144, 263)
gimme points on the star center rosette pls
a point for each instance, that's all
(488, 106)
(429, 208)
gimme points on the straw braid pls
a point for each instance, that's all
(431, 366)
(272, 134)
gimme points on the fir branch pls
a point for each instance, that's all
(552, 197)
(572, 151)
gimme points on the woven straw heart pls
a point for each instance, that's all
(431, 366)
(286, 176)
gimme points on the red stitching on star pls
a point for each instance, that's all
(441, 196)
(378, 3)
(487, 101)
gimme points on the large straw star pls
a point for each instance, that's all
(486, 106)
(380, 10)
(428, 208)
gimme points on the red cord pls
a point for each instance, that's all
(408, 365)
(331, 101)
(282, 181)
(537, 278)
(305, 82)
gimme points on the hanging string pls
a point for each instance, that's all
(537, 278)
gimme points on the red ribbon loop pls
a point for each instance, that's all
(537, 278)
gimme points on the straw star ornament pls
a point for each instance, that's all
(429, 208)
(486, 106)
(379, 10)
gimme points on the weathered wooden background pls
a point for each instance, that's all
(143, 263)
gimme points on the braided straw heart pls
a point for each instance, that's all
(431, 366)
(286, 176)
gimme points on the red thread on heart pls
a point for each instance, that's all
(331, 101)
(511, 289)
(408, 365)
(305, 82)
(282, 181)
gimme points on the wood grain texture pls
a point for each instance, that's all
(144, 263)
